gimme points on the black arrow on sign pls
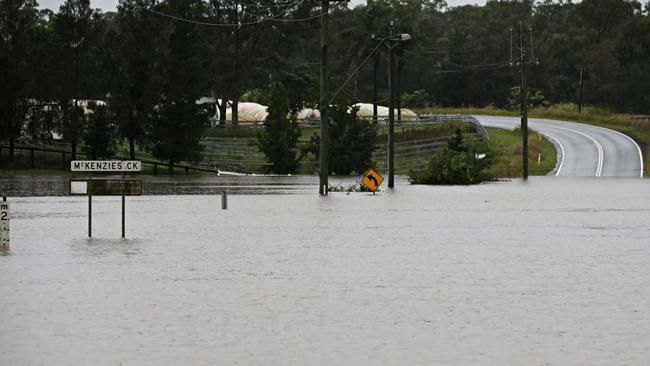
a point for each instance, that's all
(373, 178)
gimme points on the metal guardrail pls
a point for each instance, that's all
(448, 118)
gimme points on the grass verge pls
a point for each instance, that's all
(508, 147)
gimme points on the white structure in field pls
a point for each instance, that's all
(365, 111)
(254, 113)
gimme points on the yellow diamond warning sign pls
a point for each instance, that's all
(372, 179)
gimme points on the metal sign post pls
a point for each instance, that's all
(90, 216)
(123, 217)
(105, 187)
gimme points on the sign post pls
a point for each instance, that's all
(4, 223)
(105, 187)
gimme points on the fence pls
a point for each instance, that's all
(241, 155)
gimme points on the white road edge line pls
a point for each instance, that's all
(638, 148)
(558, 143)
(599, 168)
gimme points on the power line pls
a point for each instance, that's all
(198, 22)
(381, 41)
(499, 66)
(274, 6)
(272, 18)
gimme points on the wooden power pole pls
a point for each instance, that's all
(391, 111)
(524, 104)
(324, 102)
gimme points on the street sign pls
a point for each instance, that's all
(372, 180)
(105, 187)
(105, 166)
(4, 224)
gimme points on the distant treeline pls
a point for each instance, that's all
(151, 60)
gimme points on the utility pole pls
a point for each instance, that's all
(374, 88)
(235, 97)
(391, 110)
(75, 112)
(524, 104)
(324, 102)
(580, 97)
(398, 90)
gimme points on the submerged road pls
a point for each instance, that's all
(583, 150)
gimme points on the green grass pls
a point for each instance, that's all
(508, 146)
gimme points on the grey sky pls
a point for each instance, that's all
(111, 4)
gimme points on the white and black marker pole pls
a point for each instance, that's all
(4, 223)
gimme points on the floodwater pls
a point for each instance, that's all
(554, 271)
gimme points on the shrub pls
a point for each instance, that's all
(460, 162)
(351, 141)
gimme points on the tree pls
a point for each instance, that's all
(177, 131)
(279, 139)
(100, 132)
(134, 61)
(17, 26)
(178, 123)
(535, 98)
(302, 88)
(352, 141)
(417, 99)
(75, 28)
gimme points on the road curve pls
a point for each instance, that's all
(583, 150)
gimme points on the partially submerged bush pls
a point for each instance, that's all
(356, 187)
(460, 162)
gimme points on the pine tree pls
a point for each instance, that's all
(279, 139)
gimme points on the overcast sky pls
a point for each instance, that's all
(111, 4)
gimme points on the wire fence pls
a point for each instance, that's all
(242, 155)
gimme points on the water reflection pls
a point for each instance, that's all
(99, 247)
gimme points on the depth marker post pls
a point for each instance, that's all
(4, 224)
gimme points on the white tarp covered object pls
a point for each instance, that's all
(250, 112)
(365, 111)
(309, 114)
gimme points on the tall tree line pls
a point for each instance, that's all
(150, 60)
